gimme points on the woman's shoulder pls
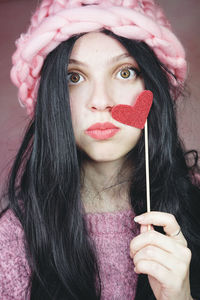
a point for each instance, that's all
(11, 238)
(10, 229)
(14, 268)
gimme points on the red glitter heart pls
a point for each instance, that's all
(137, 114)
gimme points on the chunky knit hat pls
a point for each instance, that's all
(57, 20)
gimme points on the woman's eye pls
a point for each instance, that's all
(74, 78)
(127, 73)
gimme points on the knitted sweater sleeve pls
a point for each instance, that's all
(14, 269)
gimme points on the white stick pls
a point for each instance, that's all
(147, 169)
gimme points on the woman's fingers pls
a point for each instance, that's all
(164, 258)
(159, 240)
(171, 244)
(165, 277)
(144, 228)
(167, 221)
(160, 256)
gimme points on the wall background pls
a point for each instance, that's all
(184, 16)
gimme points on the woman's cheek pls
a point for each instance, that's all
(127, 92)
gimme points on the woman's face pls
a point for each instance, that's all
(101, 74)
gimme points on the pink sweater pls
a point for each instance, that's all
(112, 233)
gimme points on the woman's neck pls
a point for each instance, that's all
(105, 187)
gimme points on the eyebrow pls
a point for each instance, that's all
(110, 60)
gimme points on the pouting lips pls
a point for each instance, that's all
(102, 126)
(102, 131)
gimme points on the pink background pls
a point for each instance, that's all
(184, 16)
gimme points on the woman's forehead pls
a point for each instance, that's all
(98, 46)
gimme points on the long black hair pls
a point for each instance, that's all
(44, 184)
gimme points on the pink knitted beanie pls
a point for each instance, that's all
(57, 20)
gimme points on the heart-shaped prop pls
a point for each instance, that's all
(137, 114)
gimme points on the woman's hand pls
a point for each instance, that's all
(164, 258)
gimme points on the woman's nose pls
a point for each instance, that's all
(100, 98)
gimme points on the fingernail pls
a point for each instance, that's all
(138, 219)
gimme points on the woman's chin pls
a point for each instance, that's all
(105, 156)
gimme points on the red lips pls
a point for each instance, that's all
(102, 131)
(102, 126)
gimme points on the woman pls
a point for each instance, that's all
(79, 177)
